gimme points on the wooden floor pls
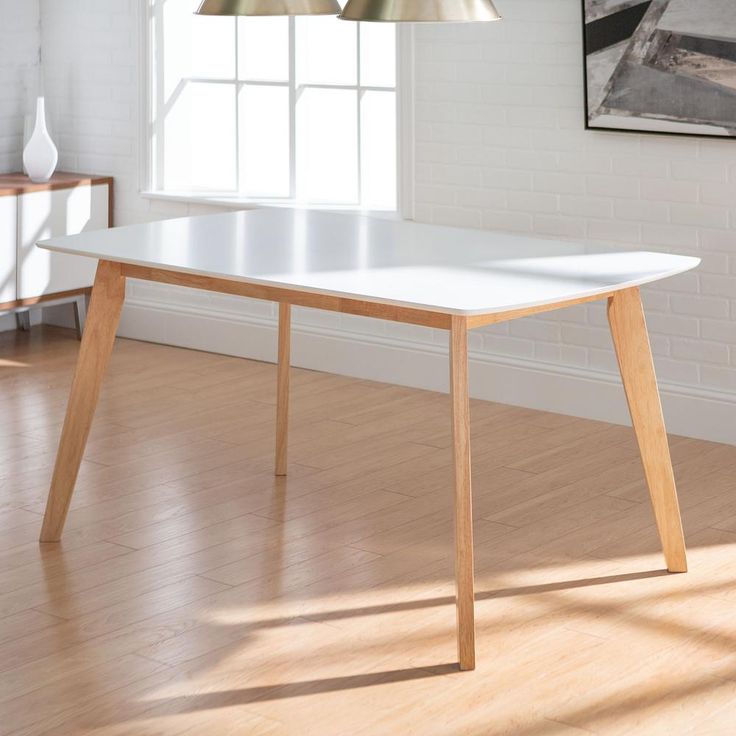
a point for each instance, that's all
(194, 593)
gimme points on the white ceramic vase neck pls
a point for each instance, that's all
(41, 155)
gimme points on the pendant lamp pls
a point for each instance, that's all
(420, 11)
(269, 7)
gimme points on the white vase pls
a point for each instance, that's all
(40, 156)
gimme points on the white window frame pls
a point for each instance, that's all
(404, 121)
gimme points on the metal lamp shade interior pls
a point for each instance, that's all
(420, 11)
(269, 7)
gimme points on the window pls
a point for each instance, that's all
(279, 109)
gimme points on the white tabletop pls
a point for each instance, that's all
(449, 270)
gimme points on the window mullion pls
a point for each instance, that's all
(238, 160)
(359, 95)
(292, 107)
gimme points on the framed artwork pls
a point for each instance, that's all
(663, 66)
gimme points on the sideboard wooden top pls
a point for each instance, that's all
(17, 184)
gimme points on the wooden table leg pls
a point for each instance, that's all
(630, 337)
(108, 295)
(282, 390)
(465, 598)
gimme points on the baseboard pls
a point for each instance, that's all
(595, 395)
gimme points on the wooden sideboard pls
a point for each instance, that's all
(66, 205)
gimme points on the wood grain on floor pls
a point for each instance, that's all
(196, 593)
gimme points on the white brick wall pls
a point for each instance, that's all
(19, 49)
(500, 144)
(525, 77)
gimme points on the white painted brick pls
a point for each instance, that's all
(719, 330)
(718, 285)
(564, 227)
(484, 198)
(622, 232)
(612, 186)
(559, 183)
(565, 354)
(716, 377)
(665, 190)
(457, 217)
(509, 346)
(700, 171)
(485, 156)
(580, 163)
(700, 215)
(602, 360)
(510, 221)
(723, 195)
(586, 336)
(532, 160)
(577, 206)
(669, 324)
(699, 306)
(641, 166)
(717, 240)
(676, 371)
(532, 202)
(717, 263)
(638, 211)
(507, 179)
(669, 236)
(699, 350)
(535, 329)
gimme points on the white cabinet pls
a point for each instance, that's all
(67, 205)
(48, 214)
(8, 245)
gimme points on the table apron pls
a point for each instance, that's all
(330, 303)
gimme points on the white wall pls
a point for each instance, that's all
(499, 144)
(19, 54)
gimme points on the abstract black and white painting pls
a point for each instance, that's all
(666, 66)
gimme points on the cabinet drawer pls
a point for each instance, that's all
(47, 214)
(8, 223)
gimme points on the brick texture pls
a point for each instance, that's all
(500, 143)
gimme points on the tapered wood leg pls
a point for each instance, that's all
(282, 390)
(465, 598)
(630, 337)
(99, 335)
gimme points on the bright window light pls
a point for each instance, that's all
(297, 110)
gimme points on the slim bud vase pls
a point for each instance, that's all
(40, 156)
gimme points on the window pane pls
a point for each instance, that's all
(193, 45)
(199, 135)
(264, 141)
(263, 49)
(213, 47)
(327, 146)
(326, 51)
(378, 54)
(378, 150)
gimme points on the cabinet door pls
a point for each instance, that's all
(8, 223)
(49, 214)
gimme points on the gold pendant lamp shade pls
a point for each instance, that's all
(420, 11)
(269, 7)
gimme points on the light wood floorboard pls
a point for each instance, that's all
(196, 593)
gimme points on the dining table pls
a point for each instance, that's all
(444, 278)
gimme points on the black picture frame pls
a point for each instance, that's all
(634, 131)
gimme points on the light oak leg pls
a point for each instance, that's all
(465, 599)
(630, 337)
(99, 335)
(282, 390)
